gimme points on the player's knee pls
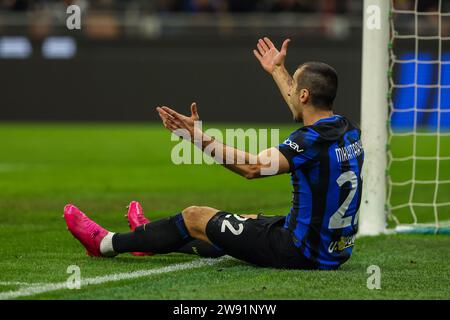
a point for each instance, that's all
(191, 212)
(191, 216)
(196, 219)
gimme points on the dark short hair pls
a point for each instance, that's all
(321, 80)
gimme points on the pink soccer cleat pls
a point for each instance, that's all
(89, 233)
(136, 218)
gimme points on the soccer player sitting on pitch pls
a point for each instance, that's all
(324, 158)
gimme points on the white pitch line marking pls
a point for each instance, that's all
(17, 283)
(38, 289)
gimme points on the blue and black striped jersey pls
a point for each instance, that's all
(326, 161)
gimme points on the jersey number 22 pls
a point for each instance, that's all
(338, 219)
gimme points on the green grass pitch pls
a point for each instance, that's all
(101, 167)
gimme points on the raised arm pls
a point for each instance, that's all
(267, 163)
(272, 60)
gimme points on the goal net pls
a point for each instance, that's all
(418, 142)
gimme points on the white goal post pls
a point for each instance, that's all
(374, 115)
(405, 117)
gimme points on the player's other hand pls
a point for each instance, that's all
(178, 123)
(269, 56)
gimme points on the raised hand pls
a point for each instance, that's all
(269, 56)
(174, 121)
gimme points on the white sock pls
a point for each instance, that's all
(106, 247)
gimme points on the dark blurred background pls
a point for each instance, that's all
(131, 55)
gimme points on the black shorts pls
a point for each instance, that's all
(263, 241)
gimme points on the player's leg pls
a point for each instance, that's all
(136, 217)
(162, 236)
(166, 235)
(201, 248)
(205, 249)
(240, 236)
